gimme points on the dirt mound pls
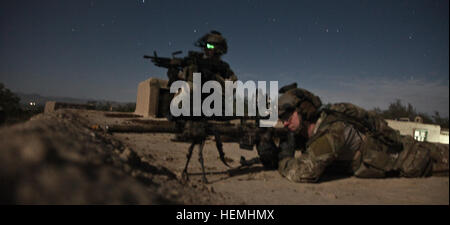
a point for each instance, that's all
(56, 159)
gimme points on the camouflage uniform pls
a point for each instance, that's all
(215, 44)
(366, 148)
(218, 75)
(220, 71)
(216, 70)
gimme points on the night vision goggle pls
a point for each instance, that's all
(209, 46)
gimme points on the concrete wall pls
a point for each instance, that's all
(444, 137)
(147, 102)
(51, 106)
(408, 128)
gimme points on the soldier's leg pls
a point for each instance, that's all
(439, 154)
(415, 160)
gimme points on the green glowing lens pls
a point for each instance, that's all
(209, 46)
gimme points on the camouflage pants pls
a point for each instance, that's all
(416, 154)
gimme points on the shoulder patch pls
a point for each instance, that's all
(320, 146)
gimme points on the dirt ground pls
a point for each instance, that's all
(150, 165)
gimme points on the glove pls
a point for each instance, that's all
(287, 146)
(267, 151)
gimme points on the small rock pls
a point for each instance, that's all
(127, 168)
(125, 154)
(134, 173)
(34, 151)
(174, 192)
(168, 158)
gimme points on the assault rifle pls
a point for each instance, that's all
(206, 66)
(247, 133)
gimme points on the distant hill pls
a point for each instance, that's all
(25, 99)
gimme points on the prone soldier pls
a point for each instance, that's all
(346, 137)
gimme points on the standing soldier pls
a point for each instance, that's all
(348, 137)
(208, 62)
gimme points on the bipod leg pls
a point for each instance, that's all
(200, 159)
(220, 148)
(184, 175)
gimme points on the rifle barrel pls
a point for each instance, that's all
(144, 128)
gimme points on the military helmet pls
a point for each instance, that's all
(213, 41)
(306, 104)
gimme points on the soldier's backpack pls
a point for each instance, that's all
(365, 121)
(382, 144)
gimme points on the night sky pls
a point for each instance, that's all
(366, 52)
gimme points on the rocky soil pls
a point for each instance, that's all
(56, 159)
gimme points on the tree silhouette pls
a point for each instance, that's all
(397, 110)
(9, 104)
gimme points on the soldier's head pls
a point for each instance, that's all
(297, 108)
(213, 44)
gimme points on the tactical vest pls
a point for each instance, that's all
(384, 151)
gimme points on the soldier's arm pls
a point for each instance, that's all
(173, 75)
(228, 73)
(319, 154)
(232, 76)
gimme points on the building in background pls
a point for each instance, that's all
(420, 131)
